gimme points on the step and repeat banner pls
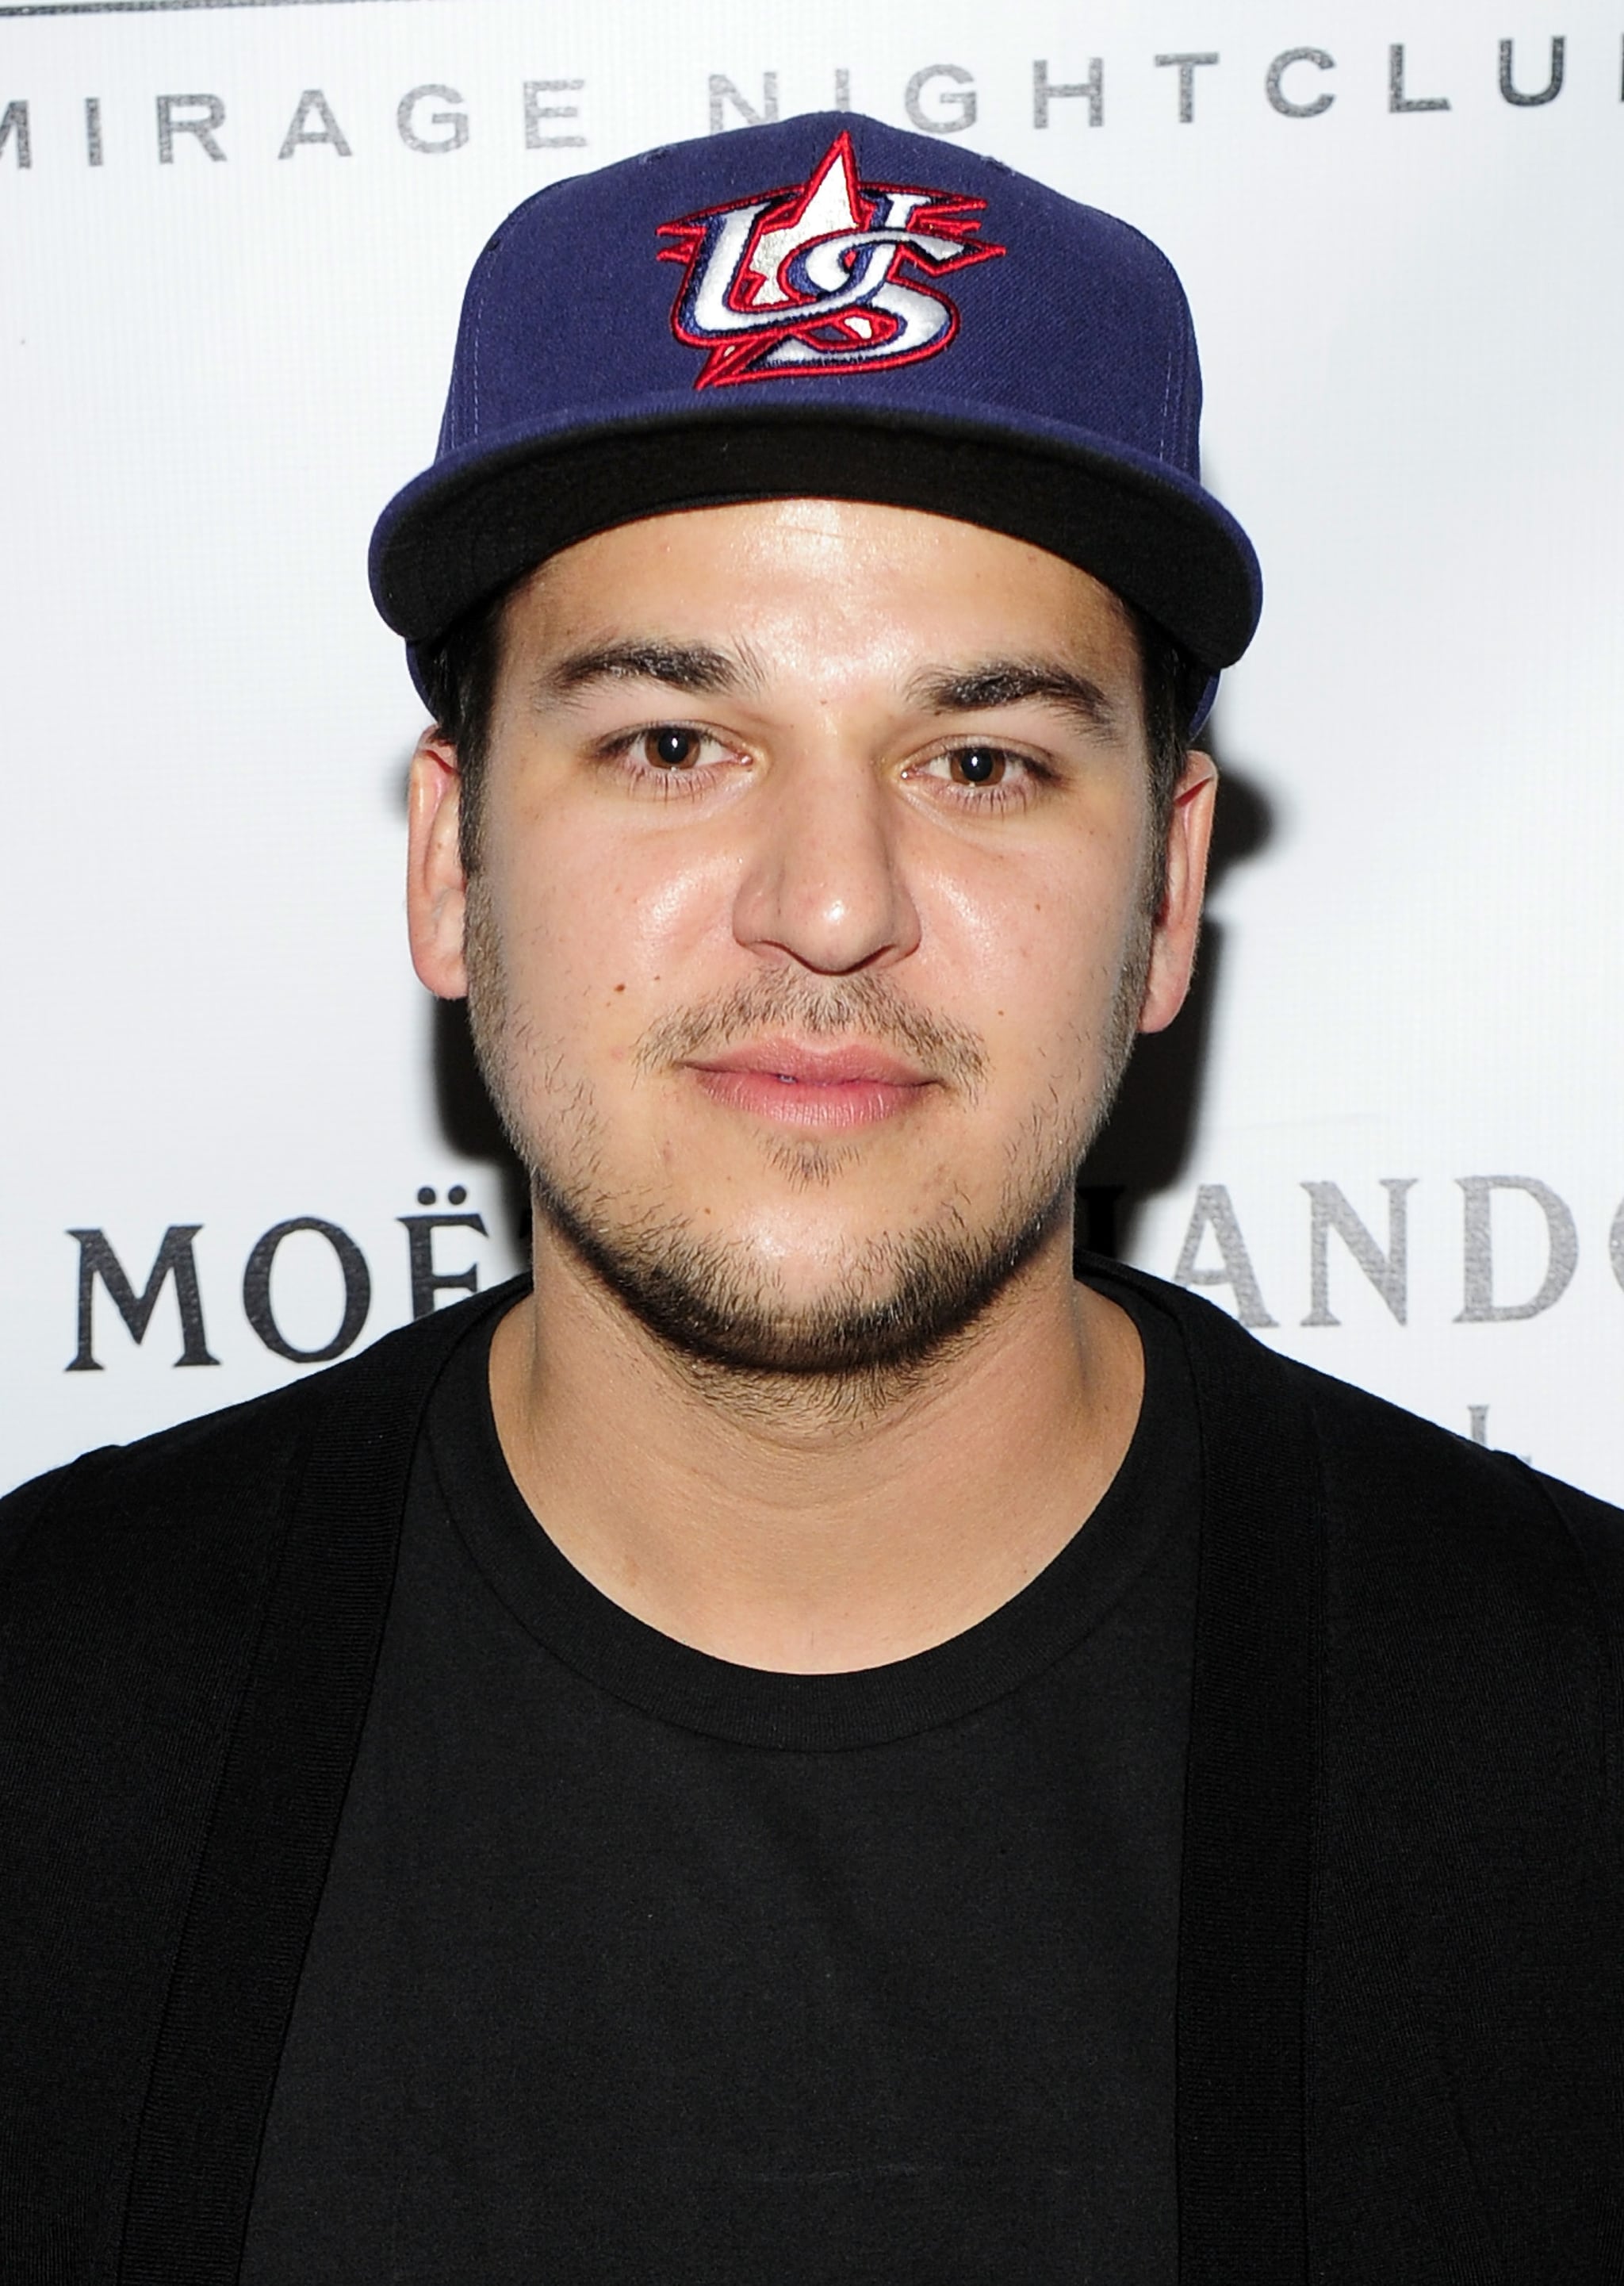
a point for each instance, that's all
(240, 1137)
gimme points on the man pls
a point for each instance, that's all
(812, 1742)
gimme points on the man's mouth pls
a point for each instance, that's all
(808, 1084)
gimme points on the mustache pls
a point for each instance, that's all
(864, 1006)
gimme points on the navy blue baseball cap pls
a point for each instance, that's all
(824, 307)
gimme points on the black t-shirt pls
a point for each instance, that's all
(636, 1964)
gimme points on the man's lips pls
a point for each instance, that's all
(803, 1083)
(814, 1064)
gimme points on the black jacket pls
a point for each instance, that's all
(1401, 2040)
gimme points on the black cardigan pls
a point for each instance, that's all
(1400, 2044)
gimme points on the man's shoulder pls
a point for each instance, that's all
(1401, 1493)
(242, 1455)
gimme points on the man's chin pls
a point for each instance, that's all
(899, 1302)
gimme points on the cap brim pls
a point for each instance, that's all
(469, 527)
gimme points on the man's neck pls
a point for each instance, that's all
(793, 1528)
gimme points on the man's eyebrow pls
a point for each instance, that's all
(1012, 682)
(692, 666)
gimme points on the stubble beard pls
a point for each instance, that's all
(902, 1300)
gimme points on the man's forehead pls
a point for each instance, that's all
(816, 576)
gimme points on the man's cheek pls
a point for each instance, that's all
(589, 1011)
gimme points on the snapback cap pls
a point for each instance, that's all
(824, 307)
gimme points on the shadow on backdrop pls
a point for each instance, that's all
(1143, 1149)
(468, 1120)
(1145, 1144)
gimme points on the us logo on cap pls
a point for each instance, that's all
(821, 276)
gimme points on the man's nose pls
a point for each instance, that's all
(824, 881)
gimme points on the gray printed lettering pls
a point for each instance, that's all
(1275, 89)
(723, 91)
(1552, 88)
(1480, 1307)
(1046, 91)
(535, 111)
(1387, 1272)
(171, 124)
(1397, 101)
(1188, 66)
(299, 131)
(457, 122)
(960, 96)
(1214, 1211)
(14, 129)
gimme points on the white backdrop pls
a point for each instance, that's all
(219, 363)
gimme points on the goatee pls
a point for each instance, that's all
(900, 1300)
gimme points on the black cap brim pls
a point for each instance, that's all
(462, 534)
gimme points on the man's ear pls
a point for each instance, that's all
(1178, 921)
(437, 886)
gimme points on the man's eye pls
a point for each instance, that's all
(977, 765)
(672, 748)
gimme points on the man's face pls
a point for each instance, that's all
(814, 914)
